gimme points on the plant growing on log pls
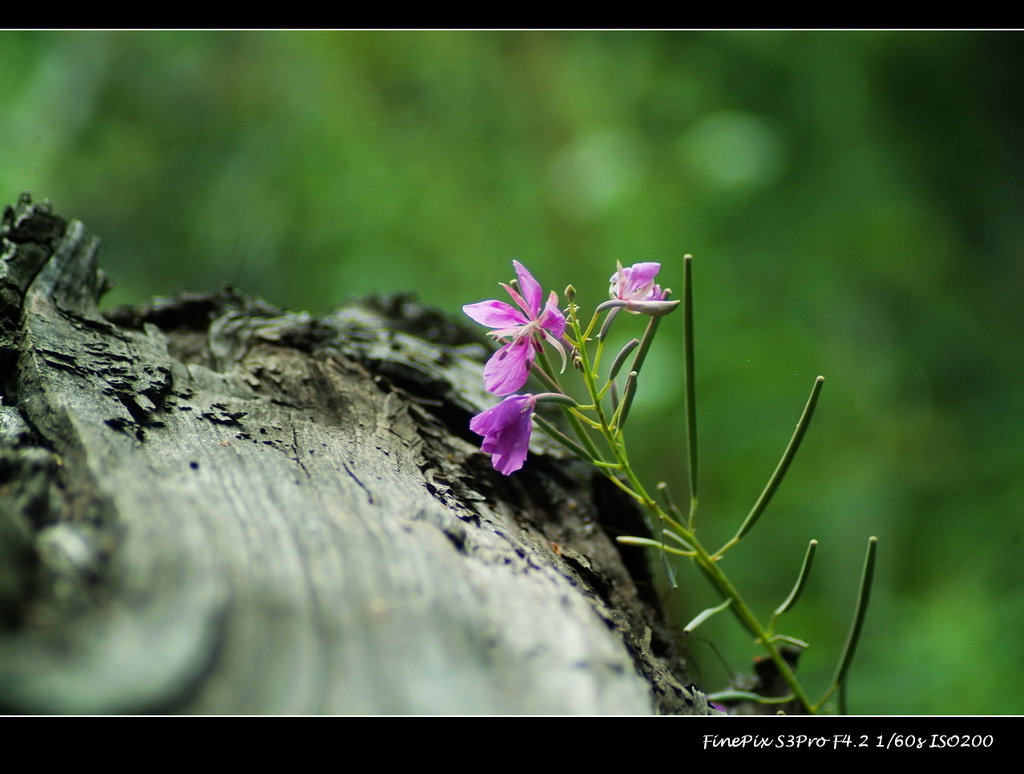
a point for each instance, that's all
(598, 423)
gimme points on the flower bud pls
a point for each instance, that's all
(621, 357)
(652, 308)
(555, 397)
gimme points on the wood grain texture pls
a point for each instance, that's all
(209, 505)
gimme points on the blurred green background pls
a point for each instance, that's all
(853, 202)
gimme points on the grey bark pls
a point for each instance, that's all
(209, 505)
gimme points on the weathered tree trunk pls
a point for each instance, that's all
(209, 505)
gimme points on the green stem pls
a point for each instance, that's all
(708, 564)
(715, 575)
(752, 624)
(631, 484)
(850, 648)
(590, 380)
(557, 435)
(588, 443)
(720, 581)
(691, 384)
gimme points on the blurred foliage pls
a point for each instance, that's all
(852, 201)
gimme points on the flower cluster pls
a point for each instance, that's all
(523, 330)
(594, 431)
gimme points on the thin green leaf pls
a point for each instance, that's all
(629, 540)
(802, 644)
(748, 696)
(798, 587)
(666, 497)
(677, 538)
(863, 599)
(705, 615)
(783, 466)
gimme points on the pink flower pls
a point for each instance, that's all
(521, 331)
(636, 284)
(506, 430)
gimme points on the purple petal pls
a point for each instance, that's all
(497, 417)
(514, 450)
(506, 429)
(520, 301)
(552, 320)
(495, 314)
(636, 282)
(643, 274)
(530, 289)
(509, 367)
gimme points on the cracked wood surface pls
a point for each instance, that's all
(209, 505)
